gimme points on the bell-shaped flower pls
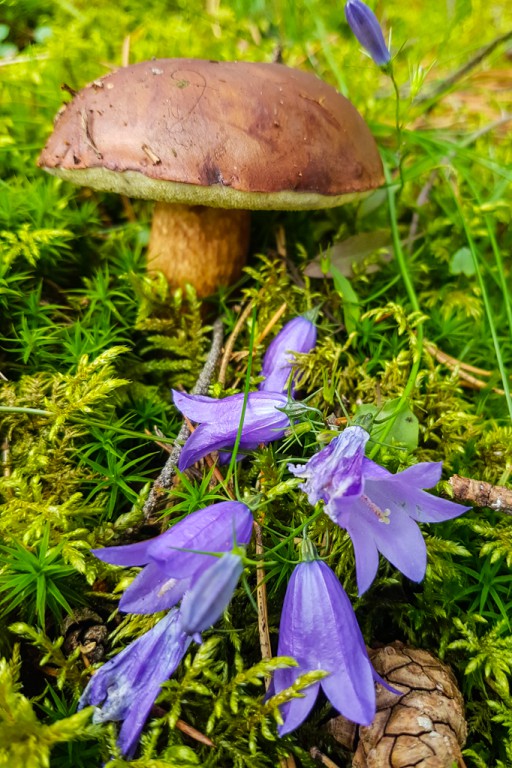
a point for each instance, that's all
(175, 560)
(299, 335)
(211, 594)
(219, 421)
(320, 631)
(366, 28)
(378, 509)
(125, 688)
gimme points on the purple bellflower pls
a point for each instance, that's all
(170, 570)
(366, 28)
(319, 630)
(125, 688)
(219, 421)
(299, 335)
(379, 510)
(211, 594)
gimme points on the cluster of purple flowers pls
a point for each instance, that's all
(174, 569)
(197, 563)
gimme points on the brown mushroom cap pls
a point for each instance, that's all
(222, 134)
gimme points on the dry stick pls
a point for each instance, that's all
(446, 84)
(463, 369)
(164, 446)
(184, 727)
(273, 320)
(6, 458)
(228, 349)
(193, 733)
(317, 755)
(125, 51)
(287, 762)
(164, 479)
(481, 494)
(261, 599)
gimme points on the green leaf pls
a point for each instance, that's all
(405, 429)
(351, 309)
(461, 263)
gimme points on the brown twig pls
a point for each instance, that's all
(287, 762)
(184, 727)
(193, 733)
(164, 446)
(463, 369)
(273, 320)
(317, 755)
(164, 479)
(481, 494)
(125, 51)
(6, 458)
(261, 600)
(228, 348)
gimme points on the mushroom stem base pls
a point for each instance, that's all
(206, 247)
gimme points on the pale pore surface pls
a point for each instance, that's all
(134, 184)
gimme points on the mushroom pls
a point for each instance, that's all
(210, 141)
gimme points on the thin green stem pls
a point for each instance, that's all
(232, 463)
(413, 299)
(497, 254)
(487, 305)
(88, 422)
(31, 411)
(295, 532)
(398, 126)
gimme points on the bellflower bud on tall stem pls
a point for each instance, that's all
(366, 28)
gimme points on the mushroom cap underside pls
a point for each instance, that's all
(226, 134)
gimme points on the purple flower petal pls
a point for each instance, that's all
(126, 687)
(176, 559)
(295, 711)
(127, 554)
(377, 508)
(211, 594)
(153, 590)
(394, 534)
(397, 494)
(210, 529)
(365, 549)
(220, 420)
(202, 408)
(426, 474)
(366, 28)
(336, 469)
(299, 335)
(319, 629)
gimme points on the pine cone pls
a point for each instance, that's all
(424, 726)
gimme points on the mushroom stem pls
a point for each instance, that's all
(206, 247)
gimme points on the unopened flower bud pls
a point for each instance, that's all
(205, 603)
(366, 28)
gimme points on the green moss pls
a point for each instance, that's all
(90, 346)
